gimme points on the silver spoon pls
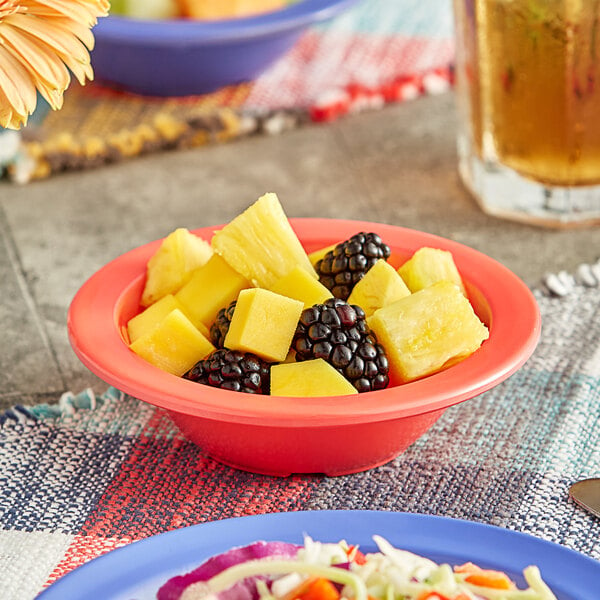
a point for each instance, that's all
(586, 493)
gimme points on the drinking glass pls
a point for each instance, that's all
(528, 95)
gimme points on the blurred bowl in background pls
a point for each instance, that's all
(186, 57)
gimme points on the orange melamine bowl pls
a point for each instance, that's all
(332, 435)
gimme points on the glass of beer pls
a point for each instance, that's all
(528, 93)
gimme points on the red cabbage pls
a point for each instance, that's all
(244, 590)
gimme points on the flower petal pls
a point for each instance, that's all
(53, 36)
(16, 84)
(78, 29)
(9, 119)
(52, 96)
(40, 60)
(43, 42)
(83, 11)
(8, 7)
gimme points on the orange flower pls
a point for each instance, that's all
(43, 42)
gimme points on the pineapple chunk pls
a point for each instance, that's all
(309, 378)
(261, 244)
(174, 345)
(211, 287)
(428, 266)
(148, 319)
(172, 264)
(317, 255)
(151, 317)
(298, 284)
(263, 323)
(426, 331)
(380, 286)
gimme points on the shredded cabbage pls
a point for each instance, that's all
(388, 574)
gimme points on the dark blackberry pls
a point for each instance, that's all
(338, 333)
(344, 266)
(232, 370)
(219, 329)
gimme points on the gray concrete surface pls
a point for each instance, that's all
(395, 166)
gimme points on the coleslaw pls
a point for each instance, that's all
(340, 571)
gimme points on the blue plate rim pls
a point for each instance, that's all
(198, 33)
(502, 548)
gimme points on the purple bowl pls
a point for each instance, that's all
(186, 57)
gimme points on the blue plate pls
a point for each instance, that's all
(183, 57)
(135, 572)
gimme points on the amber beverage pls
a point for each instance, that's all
(528, 88)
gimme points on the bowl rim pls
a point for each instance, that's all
(180, 32)
(515, 327)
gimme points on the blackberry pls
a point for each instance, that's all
(219, 329)
(344, 266)
(232, 370)
(338, 333)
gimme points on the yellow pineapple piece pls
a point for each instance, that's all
(261, 244)
(151, 317)
(426, 331)
(263, 323)
(211, 287)
(174, 345)
(154, 314)
(317, 255)
(300, 285)
(380, 286)
(171, 266)
(428, 266)
(309, 378)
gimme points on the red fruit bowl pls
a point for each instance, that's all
(279, 435)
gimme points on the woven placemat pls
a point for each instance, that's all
(376, 53)
(93, 473)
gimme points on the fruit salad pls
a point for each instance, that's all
(340, 571)
(251, 311)
(194, 9)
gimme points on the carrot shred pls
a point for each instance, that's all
(355, 555)
(317, 589)
(485, 577)
(432, 596)
(438, 596)
(467, 567)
